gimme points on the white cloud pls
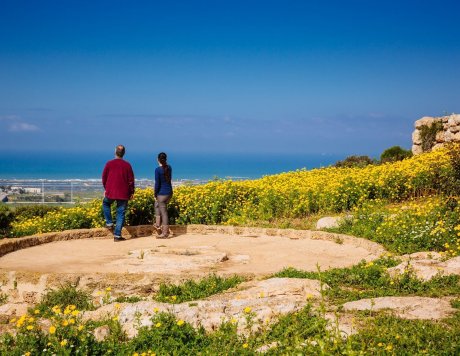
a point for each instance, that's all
(9, 118)
(22, 127)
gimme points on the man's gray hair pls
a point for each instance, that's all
(120, 151)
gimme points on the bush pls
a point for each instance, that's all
(428, 135)
(33, 211)
(6, 217)
(63, 296)
(355, 161)
(395, 153)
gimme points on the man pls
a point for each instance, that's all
(118, 182)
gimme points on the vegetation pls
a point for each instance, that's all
(304, 332)
(407, 205)
(428, 135)
(191, 290)
(67, 294)
(395, 153)
(431, 224)
(355, 162)
(371, 280)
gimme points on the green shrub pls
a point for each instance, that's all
(355, 161)
(6, 217)
(63, 296)
(388, 335)
(395, 153)
(33, 211)
(428, 135)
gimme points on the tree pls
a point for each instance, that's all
(393, 154)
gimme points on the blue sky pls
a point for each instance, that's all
(316, 77)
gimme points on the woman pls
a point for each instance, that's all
(163, 194)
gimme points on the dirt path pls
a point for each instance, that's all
(219, 253)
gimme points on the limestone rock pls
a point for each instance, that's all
(101, 333)
(14, 309)
(454, 129)
(266, 300)
(417, 149)
(425, 121)
(406, 307)
(426, 266)
(328, 222)
(440, 137)
(416, 137)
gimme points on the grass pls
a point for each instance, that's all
(191, 290)
(66, 294)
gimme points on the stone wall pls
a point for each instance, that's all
(449, 131)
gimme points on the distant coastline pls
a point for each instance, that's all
(186, 166)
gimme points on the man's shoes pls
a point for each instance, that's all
(110, 227)
(118, 239)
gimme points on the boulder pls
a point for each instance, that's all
(454, 129)
(425, 121)
(426, 265)
(101, 333)
(406, 307)
(417, 149)
(416, 137)
(328, 222)
(440, 137)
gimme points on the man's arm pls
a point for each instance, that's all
(105, 174)
(131, 181)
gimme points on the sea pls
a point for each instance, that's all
(186, 166)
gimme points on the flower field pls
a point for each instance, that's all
(292, 195)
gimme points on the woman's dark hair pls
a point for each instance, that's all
(162, 158)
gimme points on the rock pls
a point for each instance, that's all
(456, 118)
(456, 136)
(265, 300)
(101, 333)
(437, 146)
(425, 121)
(406, 307)
(265, 348)
(416, 137)
(341, 323)
(44, 325)
(328, 222)
(417, 149)
(454, 129)
(30, 297)
(440, 137)
(426, 265)
(13, 309)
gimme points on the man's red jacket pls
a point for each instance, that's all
(118, 179)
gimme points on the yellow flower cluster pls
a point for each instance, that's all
(296, 194)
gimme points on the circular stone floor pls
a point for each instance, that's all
(187, 253)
